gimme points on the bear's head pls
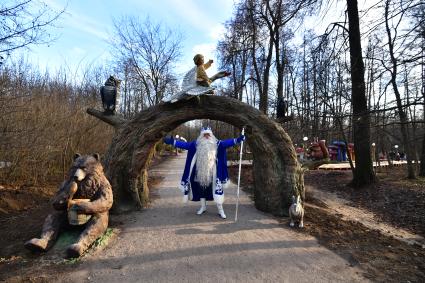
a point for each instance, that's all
(85, 166)
(86, 172)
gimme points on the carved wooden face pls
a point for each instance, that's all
(84, 165)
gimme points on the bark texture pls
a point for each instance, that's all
(363, 173)
(277, 173)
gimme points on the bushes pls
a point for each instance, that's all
(43, 123)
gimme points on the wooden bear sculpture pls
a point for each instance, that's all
(83, 199)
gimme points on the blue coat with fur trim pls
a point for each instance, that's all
(215, 191)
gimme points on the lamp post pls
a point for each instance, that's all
(373, 152)
(397, 155)
(305, 139)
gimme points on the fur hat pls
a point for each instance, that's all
(206, 130)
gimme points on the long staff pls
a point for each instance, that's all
(239, 178)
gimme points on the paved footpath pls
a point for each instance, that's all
(168, 242)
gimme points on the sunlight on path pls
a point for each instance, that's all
(367, 218)
(168, 242)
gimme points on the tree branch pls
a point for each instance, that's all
(112, 120)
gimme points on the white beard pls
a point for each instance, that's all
(206, 152)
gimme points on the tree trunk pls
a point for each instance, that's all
(277, 173)
(264, 97)
(402, 114)
(280, 67)
(363, 173)
(422, 168)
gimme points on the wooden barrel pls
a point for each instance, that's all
(75, 217)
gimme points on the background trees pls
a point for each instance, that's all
(273, 56)
(146, 53)
(25, 22)
(313, 72)
(43, 122)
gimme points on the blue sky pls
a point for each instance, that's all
(85, 27)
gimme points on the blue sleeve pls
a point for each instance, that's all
(228, 143)
(182, 144)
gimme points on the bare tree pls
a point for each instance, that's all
(25, 22)
(275, 14)
(260, 28)
(42, 120)
(316, 77)
(363, 173)
(151, 50)
(417, 23)
(234, 52)
(392, 36)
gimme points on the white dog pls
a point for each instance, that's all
(296, 212)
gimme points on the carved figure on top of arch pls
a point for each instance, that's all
(196, 81)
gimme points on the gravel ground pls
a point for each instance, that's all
(168, 242)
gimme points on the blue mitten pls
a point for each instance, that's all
(168, 140)
(241, 138)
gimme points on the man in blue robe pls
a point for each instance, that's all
(205, 172)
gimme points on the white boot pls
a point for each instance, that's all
(221, 211)
(203, 206)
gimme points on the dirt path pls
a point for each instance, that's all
(347, 211)
(168, 242)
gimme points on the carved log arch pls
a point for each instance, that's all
(277, 173)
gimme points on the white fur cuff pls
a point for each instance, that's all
(219, 199)
(182, 188)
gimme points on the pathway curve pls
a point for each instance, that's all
(346, 209)
(168, 242)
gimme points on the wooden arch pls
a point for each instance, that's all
(277, 173)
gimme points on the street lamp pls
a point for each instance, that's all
(304, 146)
(397, 155)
